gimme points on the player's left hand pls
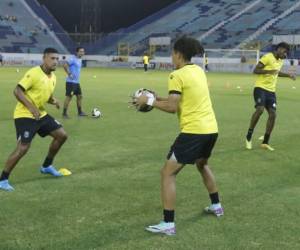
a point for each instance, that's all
(56, 103)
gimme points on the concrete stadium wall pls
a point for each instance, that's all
(160, 63)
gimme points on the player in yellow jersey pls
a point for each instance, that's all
(146, 62)
(34, 90)
(189, 98)
(268, 70)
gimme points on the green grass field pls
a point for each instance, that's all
(114, 190)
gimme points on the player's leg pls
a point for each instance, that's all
(271, 108)
(25, 131)
(68, 98)
(10, 164)
(78, 94)
(259, 98)
(53, 128)
(211, 186)
(168, 196)
(206, 145)
(269, 129)
(168, 184)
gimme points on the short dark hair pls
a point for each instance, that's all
(50, 50)
(79, 48)
(283, 45)
(188, 47)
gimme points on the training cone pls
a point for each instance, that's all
(65, 172)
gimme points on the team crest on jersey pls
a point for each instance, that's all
(171, 77)
(27, 76)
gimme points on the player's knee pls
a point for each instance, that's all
(259, 110)
(23, 149)
(272, 115)
(63, 136)
(201, 163)
(164, 172)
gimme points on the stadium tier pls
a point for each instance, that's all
(27, 26)
(217, 23)
(22, 30)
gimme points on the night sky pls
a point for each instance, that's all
(115, 13)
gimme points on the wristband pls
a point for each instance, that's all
(150, 101)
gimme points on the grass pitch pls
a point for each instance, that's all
(114, 190)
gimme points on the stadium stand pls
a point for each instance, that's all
(217, 23)
(27, 26)
(22, 31)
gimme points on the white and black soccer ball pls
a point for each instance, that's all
(148, 93)
(96, 113)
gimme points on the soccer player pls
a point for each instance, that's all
(145, 62)
(1, 60)
(73, 67)
(189, 98)
(206, 64)
(268, 70)
(33, 91)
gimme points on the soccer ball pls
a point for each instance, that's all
(148, 93)
(96, 113)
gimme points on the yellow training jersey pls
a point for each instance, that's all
(268, 81)
(196, 115)
(38, 87)
(146, 60)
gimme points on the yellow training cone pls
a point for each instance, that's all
(65, 172)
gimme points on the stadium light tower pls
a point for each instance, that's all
(90, 16)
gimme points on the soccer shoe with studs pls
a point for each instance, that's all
(248, 144)
(167, 228)
(4, 185)
(215, 209)
(50, 170)
(267, 147)
(82, 114)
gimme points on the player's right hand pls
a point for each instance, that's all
(35, 112)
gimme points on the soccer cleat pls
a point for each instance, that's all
(248, 144)
(167, 228)
(50, 170)
(261, 138)
(4, 185)
(215, 209)
(82, 114)
(65, 116)
(267, 146)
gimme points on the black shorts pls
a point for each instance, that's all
(26, 128)
(73, 89)
(145, 67)
(264, 98)
(187, 148)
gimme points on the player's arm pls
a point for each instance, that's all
(158, 98)
(259, 70)
(20, 95)
(169, 105)
(67, 69)
(291, 76)
(52, 100)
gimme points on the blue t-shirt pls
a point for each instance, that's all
(74, 68)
